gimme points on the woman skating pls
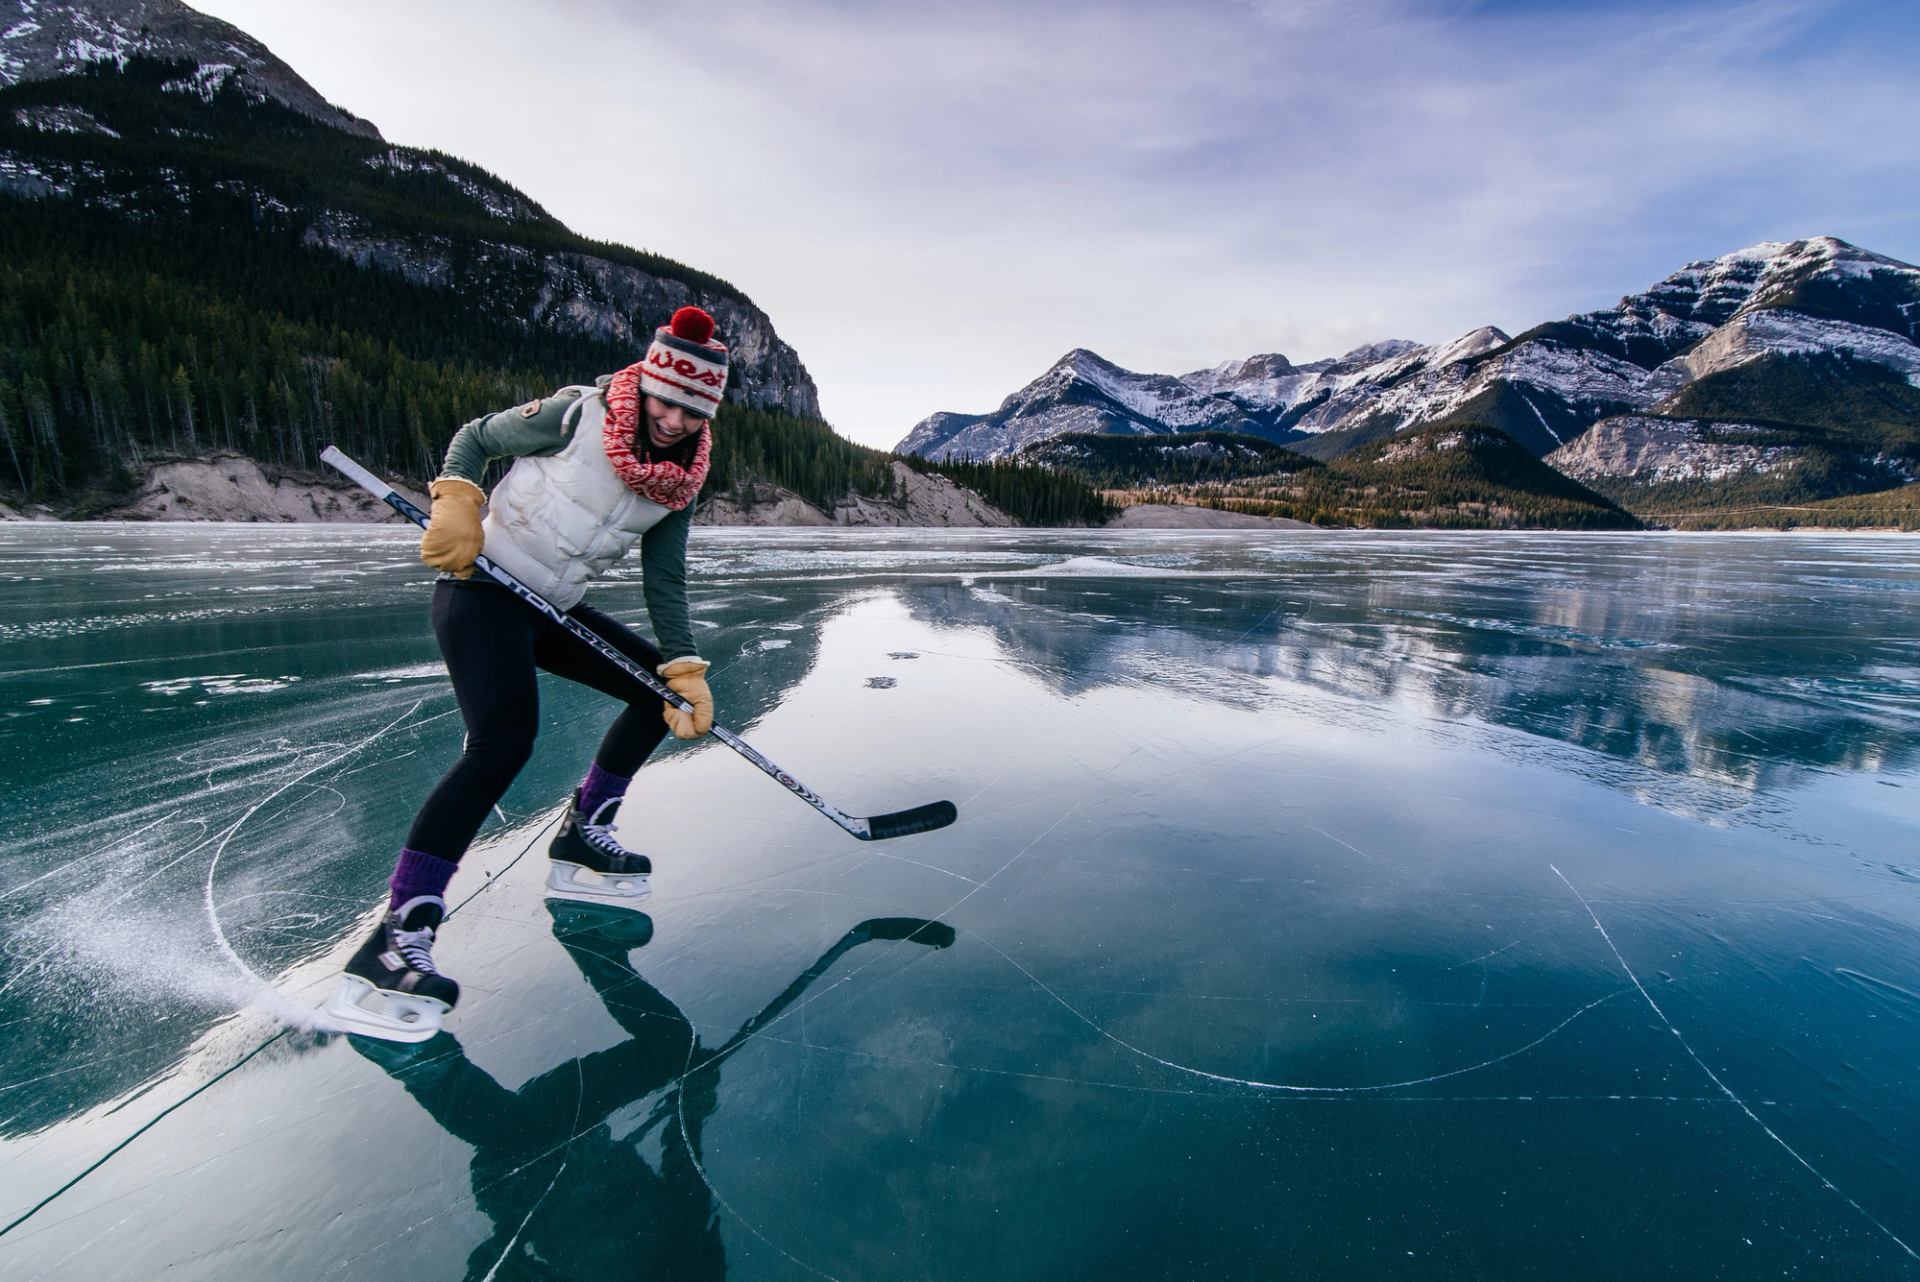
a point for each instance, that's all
(597, 470)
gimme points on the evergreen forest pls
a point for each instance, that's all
(1442, 477)
(1894, 509)
(1150, 462)
(1030, 493)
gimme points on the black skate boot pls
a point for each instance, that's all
(587, 864)
(391, 989)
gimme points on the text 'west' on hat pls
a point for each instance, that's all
(686, 365)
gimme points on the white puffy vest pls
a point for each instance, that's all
(559, 520)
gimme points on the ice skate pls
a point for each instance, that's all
(586, 863)
(391, 989)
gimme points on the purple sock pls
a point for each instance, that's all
(419, 873)
(600, 787)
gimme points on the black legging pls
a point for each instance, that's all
(493, 641)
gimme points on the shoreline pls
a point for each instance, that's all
(10, 520)
(233, 489)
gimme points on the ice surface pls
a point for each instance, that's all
(1398, 905)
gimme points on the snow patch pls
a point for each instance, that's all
(207, 80)
(23, 178)
(61, 120)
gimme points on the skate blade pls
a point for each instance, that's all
(584, 885)
(358, 1007)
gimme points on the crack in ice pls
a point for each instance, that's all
(1715, 1077)
(1257, 1084)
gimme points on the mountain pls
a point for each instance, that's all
(1820, 296)
(48, 39)
(1814, 340)
(1834, 425)
(1081, 393)
(195, 140)
(199, 255)
(1084, 392)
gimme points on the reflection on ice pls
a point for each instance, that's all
(626, 1118)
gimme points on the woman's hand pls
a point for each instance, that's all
(688, 678)
(453, 535)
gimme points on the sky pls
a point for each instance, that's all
(936, 202)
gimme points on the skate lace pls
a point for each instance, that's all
(417, 947)
(600, 837)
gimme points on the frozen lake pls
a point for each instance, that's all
(1323, 905)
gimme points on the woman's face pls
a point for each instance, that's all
(668, 425)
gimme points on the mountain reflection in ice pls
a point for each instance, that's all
(1728, 671)
(1340, 905)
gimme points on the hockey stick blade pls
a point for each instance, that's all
(903, 823)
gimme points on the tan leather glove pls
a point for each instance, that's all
(453, 535)
(688, 679)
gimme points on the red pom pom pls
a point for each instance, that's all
(692, 324)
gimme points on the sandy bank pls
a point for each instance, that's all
(229, 487)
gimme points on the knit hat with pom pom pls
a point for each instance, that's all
(686, 365)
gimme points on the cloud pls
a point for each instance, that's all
(935, 202)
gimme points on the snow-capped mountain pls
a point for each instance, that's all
(1809, 388)
(1080, 393)
(1817, 299)
(44, 39)
(1084, 392)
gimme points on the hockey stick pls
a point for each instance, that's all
(901, 823)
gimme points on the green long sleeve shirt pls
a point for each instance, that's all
(539, 428)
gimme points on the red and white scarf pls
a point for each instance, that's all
(668, 484)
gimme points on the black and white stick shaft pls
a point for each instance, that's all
(901, 823)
